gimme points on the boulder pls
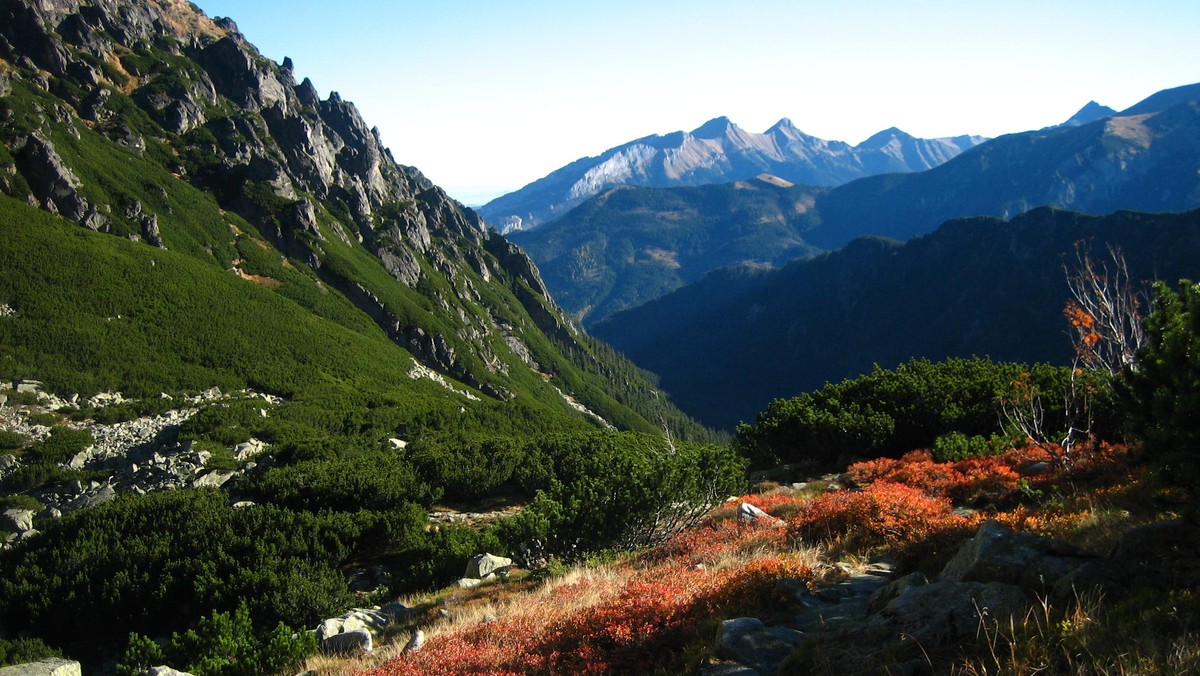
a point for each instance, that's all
(216, 478)
(17, 520)
(165, 671)
(997, 554)
(485, 566)
(248, 449)
(351, 632)
(52, 666)
(750, 642)
(356, 641)
(747, 513)
(948, 612)
(93, 496)
(396, 611)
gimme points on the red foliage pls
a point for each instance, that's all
(994, 476)
(710, 541)
(646, 625)
(883, 513)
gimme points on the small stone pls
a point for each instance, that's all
(415, 642)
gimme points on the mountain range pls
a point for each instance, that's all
(742, 336)
(631, 244)
(716, 152)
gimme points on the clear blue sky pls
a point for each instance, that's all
(486, 96)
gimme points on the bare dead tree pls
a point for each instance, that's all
(1104, 310)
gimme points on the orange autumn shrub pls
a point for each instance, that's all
(638, 630)
(999, 478)
(717, 538)
(883, 513)
(645, 626)
(994, 477)
(755, 585)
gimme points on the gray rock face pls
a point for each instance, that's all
(241, 77)
(166, 671)
(23, 29)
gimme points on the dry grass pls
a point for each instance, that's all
(524, 603)
(1091, 636)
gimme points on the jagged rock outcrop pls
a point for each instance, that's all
(53, 183)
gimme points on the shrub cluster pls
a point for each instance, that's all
(887, 413)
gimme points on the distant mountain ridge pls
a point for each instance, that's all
(615, 251)
(1145, 158)
(727, 345)
(717, 152)
(631, 245)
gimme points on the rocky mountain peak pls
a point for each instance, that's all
(718, 127)
(1089, 113)
(883, 138)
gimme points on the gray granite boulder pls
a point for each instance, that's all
(485, 566)
(51, 666)
(997, 554)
